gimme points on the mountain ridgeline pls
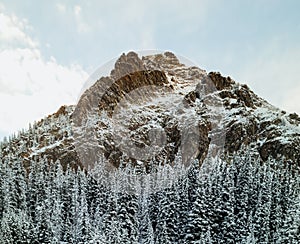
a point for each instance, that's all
(158, 151)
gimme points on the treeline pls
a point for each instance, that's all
(225, 201)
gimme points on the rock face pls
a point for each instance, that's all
(128, 83)
(126, 65)
(145, 85)
(156, 109)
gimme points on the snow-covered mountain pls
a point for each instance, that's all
(157, 152)
(185, 109)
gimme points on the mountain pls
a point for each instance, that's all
(156, 152)
(164, 93)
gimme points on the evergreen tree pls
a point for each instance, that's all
(145, 229)
(262, 214)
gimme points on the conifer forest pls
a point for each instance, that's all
(224, 201)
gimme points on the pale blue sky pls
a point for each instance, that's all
(48, 48)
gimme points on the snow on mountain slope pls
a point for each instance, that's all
(154, 108)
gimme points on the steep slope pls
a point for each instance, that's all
(154, 108)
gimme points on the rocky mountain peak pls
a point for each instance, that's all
(127, 64)
(151, 86)
(156, 108)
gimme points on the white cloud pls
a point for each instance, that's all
(61, 8)
(13, 31)
(26, 72)
(31, 86)
(77, 10)
(82, 26)
(34, 87)
(76, 14)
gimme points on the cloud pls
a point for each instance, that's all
(82, 26)
(61, 8)
(12, 31)
(77, 10)
(26, 72)
(75, 14)
(31, 86)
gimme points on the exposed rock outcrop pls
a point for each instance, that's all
(128, 83)
(127, 64)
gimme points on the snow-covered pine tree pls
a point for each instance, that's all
(145, 229)
(197, 219)
(261, 217)
(290, 230)
(227, 205)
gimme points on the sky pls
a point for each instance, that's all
(48, 49)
